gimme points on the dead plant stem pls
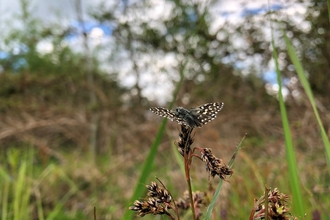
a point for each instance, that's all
(187, 163)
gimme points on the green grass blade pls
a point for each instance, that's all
(298, 207)
(4, 196)
(19, 190)
(217, 191)
(147, 166)
(28, 185)
(329, 9)
(56, 212)
(59, 205)
(214, 200)
(39, 206)
(305, 84)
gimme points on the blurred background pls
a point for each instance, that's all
(77, 79)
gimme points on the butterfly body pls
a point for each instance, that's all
(189, 117)
(194, 117)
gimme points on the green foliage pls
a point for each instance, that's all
(291, 160)
(24, 181)
(305, 84)
(217, 191)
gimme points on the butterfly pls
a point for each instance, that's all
(194, 117)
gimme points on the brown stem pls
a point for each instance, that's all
(187, 163)
(253, 210)
(266, 202)
(171, 216)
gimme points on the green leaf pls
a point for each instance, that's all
(290, 153)
(302, 77)
(217, 192)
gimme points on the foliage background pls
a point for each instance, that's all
(74, 136)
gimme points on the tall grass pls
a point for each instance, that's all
(16, 187)
(20, 187)
(302, 77)
(290, 152)
(298, 201)
(329, 9)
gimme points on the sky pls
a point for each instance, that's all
(65, 11)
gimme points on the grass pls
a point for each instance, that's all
(16, 189)
(20, 181)
(217, 192)
(298, 206)
(299, 203)
(30, 189)
(61, 188)
(302, 77)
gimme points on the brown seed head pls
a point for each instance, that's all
(214, 165)
(156, 192)
(277, 206)
(185, 140)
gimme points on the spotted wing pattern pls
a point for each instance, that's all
(204, 114)
(166, 113)
(207, 112)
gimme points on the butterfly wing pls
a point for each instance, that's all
(164, 112)
(195, 117)
(207, 112)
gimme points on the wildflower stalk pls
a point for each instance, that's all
(187, 164)
(159, 199)
(214, 165)
(187, 170)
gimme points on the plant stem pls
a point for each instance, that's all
(187, 163)
(187, 170)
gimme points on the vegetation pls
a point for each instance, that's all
(74, 135)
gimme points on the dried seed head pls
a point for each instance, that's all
(277, 206)
(162, 195)
(157, 202)
(214, 165)
(150, 206)
(199, 200)
(185, 140)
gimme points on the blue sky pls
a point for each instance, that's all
(64, 11)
